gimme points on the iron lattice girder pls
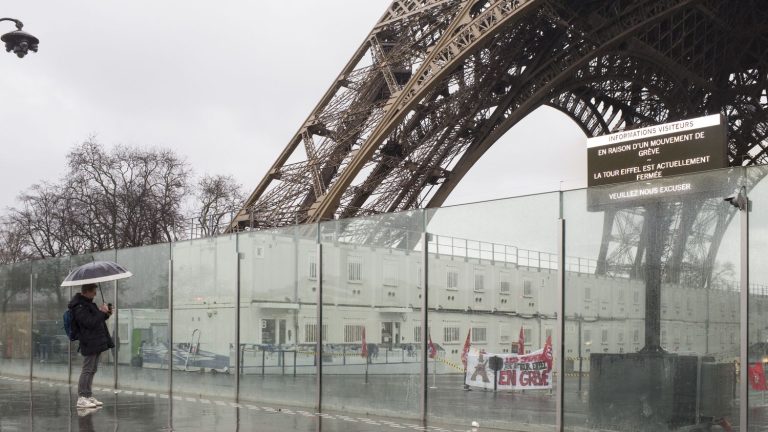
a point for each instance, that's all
(436, 83)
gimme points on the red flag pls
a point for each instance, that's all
(548, 355)
(364, 352)
(432, 348)
(521, 342)
(757, 377)
(465, 351)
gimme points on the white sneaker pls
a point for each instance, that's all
(95, 401)
(85, 412)
(84, 402)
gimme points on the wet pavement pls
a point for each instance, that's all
(50, 406)
(43, 405)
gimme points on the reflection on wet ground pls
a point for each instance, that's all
(50, 406)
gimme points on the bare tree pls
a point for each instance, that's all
(131, 196)
(217, 197)
(108, 199)
(44, 220)
(12, 243)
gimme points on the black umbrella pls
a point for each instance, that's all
(96, 272)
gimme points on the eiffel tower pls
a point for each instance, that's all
(437, 82)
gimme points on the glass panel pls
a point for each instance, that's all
(15, 326)
(371, 300)
(204, 284)
(652, 319)
(142, 318)
(489, 283)
(278, 315)
(50, 342)
(758, 298)
(105, 375)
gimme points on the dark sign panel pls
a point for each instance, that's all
(657, 152)
(669, 189)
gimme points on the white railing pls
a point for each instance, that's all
(496, 252)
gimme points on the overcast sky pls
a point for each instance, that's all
(224, 83)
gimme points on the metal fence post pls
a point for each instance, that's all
(238, 360)
(744, 318)
(69, 352)
(116, 333)
(424, 325)
(170, 326)
(31, 320)
(170, 335)
(560, 351)
(319, 332)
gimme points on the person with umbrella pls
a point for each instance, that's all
(90, 321)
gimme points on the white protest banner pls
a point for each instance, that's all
(518, 372)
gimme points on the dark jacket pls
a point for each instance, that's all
(91, 325)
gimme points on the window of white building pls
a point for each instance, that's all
(479, 334)
(451, 335)
(353, 333)
(452, 282)
(310, 332)
(354, 269)
(390, 273)
(505, 334)
(419, 276)
(527, 288)
(312, 266)
(417, 334)
(479, 280)
(504, 283)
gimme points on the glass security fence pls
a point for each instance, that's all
(492, 281)
(50, 353)
(105, 376)
(142, 318)
(204, 293)
(15, 319)
(278, 315)
(652, 331)
(372, 289)
(652, 314)
(757, 353)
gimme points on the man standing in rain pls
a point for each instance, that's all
(91, 323)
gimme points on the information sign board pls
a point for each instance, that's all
(658, 151)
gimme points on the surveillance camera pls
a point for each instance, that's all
(737, 199)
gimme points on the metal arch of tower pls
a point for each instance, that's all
(436, 83)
